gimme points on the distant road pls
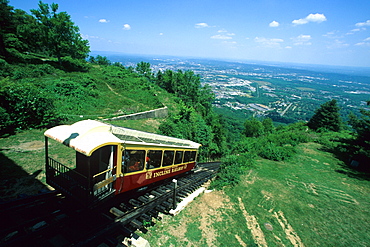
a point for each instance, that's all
(282, 114)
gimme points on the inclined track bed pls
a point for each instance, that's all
(56, 221)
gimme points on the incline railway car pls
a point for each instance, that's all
(110, 160)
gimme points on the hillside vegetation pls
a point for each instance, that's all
(312, 199)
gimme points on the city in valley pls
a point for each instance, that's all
(284, 92)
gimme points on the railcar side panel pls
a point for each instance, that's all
(143, 178)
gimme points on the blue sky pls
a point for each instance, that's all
(331, 32)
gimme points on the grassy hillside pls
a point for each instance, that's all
(310, 200)
(101, 92)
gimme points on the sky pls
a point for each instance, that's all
(328, 32)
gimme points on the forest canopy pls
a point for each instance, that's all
(45, 33)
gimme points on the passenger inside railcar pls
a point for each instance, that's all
(154, 159)
(133, 160)
(168, 157)
(178, 157)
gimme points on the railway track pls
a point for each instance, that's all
(57, 221)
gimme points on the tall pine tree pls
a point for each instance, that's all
(326, 117)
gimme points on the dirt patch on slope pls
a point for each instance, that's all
(209, 212)
(206, 210)
(27, 146)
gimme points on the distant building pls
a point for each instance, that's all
(259, 107)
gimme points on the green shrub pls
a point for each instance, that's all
(5, 121)
(71, 64)
(27, 106)
(275, 152)
(278, 145)
(68, 88)
(231, 169)
(19, 74)
(32, 71)
(86, 81)
(5, 68)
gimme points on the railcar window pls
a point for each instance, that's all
(133, 160)
(187, 155)
(168, 157)
(193, 155)
(153, 159)
(178, 157)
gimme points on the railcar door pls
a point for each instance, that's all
(103, 165)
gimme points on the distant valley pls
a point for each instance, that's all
(285, 93)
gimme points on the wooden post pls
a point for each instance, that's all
(174, 193)
(46, 152)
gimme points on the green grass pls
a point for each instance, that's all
(312, 198)
(22, 164)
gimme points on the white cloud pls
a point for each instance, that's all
(333, 35)
(316, 18)
(271, 43)
(161, 34)
(300, 22)
(201, 25)
(103, 21)
(225, 31)
(221, 36)
(310, 18)
(86, 36)
(229, 42)
(302, 40)
(126, 27)
(353, 31)
(337, 44)
(363, 24)
(274, 24)
(365, 42)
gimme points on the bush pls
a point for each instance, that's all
(27, 106)
(274, 152)
(71, 64)
(32, 71)
(231, 169)
(278, 145)
(5, 68)
(5, 121)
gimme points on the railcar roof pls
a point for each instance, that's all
(88, 135)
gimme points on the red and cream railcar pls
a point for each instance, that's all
(110, 160)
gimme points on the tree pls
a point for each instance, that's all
(360, 148)
(187, 86)
(362, 126)
(100, 60)
(12, 23)
(6, 13)
(59, 36)
(268, 125)
(326, 117)
(143, 68)
(253, 128)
